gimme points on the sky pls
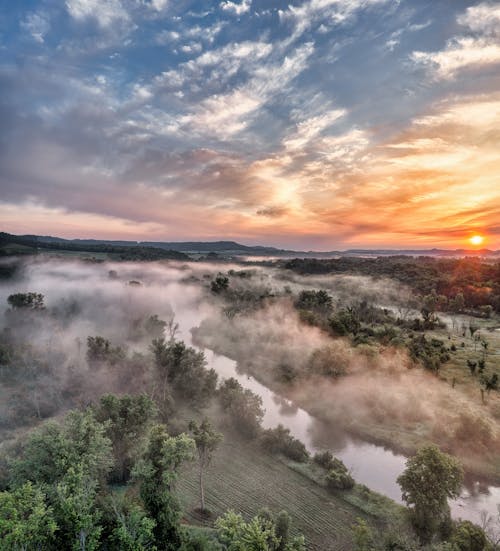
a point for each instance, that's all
(316, 124)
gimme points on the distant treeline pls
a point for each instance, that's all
(478, 280)
(31, 245)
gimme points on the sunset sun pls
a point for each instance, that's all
(476, 240)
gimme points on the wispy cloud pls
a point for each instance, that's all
(238, 8)
(37, 24)
(105, 12)
(479, 48)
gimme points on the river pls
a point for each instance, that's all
(373, 465)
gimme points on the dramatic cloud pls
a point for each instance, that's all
(314, 124)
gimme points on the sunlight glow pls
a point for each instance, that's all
(476, 240)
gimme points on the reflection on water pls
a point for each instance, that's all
(370, 464)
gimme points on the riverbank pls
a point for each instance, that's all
(395, 407)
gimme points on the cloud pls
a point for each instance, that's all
(105, 12)
(226, 115)
(310, 128)
(159, 5)
(461, 53)
(236, 8)
(37, 24)
(215, 67)
(272, 211)
(480, 48)
(326, 13)
(483, 18)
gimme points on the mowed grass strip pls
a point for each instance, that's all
(243, 478)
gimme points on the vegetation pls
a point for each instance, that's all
(430, 479)
(206, 440)
(242, 407)
(119, 472)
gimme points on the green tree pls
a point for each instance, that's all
(127, 420)
(26, 522)
(261, 533)
(185, 369)
(219, 284)
(51, 450)
(206, 440)
(27, 301)
(100, 350)
(130, 529)
(363, 536)
(76, 512)
(468, 537)
(243, 406)
(431, 478)
(157, 473)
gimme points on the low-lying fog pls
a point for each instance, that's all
(381, 390)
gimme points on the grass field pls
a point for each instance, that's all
(243, 478)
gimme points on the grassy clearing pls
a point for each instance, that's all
(243, 478)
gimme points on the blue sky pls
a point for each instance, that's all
(317, 124)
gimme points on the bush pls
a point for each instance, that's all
(329, 361)
(324, 459)
(336, 480)
(468, 537)
(338, 476)
(279, 440)
(243, 407)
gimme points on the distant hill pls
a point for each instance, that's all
(32, 244)
(179, 250)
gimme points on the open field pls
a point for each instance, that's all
(244, 479)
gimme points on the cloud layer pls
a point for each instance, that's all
(321, 124)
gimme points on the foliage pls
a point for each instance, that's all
(318, 301)
(338, 476)
(243, 407)
(185, 369)
(127, 526)
(279, 440)
(157, 473)
(77, 517)
(431, 478)
(328, 361)
(345, 322)
(258, 534)
(28, 301)
(476, 279)
(127, 419)
(468, 537)
(219, 284)
(206, 440)
(100, 350)
(26, 522)
(51, 450)
(363, 536)
(431, 353)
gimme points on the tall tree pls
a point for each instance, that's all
(206, 440)
(431, 478)
(127, 419)
(157, 473)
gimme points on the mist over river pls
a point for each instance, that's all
(375, 466)
(104, 305)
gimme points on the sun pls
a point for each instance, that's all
(476, 240)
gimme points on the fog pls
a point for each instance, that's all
(381, 388)
(379, 391)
